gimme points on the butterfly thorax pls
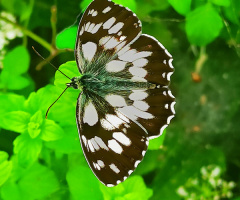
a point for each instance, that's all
(101, 84)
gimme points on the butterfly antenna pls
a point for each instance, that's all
(49, 63)
(55, 101)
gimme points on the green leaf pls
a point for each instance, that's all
(82, 177)
(70, 69)
(11, 191)
(156, 143)
(183, 7)
(11, 102)
(133, 188)
(16, 121)
(5, 167)
(12, 81)
(17, 61)
(38, 182)
(67, 38)
(69, 143)
(34, 126)
(146, 7)
(41, 99)
(51, 131)
(203, 25)
(27, 149)
(225, 3)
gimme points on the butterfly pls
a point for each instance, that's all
(124, 99)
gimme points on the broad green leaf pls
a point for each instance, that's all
(133, 188)
(82, 177)
(38, 182)
(17, 61)
(146, 7)
(41, 99)
(37, 117)
(5, 167)
(203, 25)
(27, 149)
(11, 102)
(232, 11)
(156, 143)
(225, 3)
(16, 121)
(70, 69)
(67, 38)
(182, 7)
(11, 191)
(51, 131)
(12, 81)
(69, 143)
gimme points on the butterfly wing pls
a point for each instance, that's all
(104, 27)
(147, 60)
(112, 143)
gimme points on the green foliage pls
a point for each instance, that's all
(67, 38)
(42, 158)
(182, 7)
(132, 189)
(203, 25)
(16, 64)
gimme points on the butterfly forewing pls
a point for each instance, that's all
(104, 27)
(112, 144)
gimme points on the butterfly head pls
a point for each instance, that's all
(74, 83)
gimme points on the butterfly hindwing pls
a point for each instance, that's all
(112, 143)
(104, 27)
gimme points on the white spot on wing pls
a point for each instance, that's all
(107, 9)
(117, 27)
(101, 163)
(115, 66)
(142, 105)
(91, 146)
(128, 55)
(116, 100)
(89, 49)
(138, 95)
(140, 62)
(101, 143)
(103, 40)
(106, 125)
(112, 144)
(120, 137)
(136, 71)
(111, 43)
(84, 140)
(94, 14)
(134, 113)
(90, 115)
(123, 117)
(109, 23)
(114, 120)
(96, 28)
(114, 168)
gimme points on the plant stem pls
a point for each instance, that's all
(201, 60)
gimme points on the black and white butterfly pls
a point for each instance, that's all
(125, 100)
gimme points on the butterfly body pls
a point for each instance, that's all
(124, 100)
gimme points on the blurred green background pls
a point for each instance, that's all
(198, 157)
